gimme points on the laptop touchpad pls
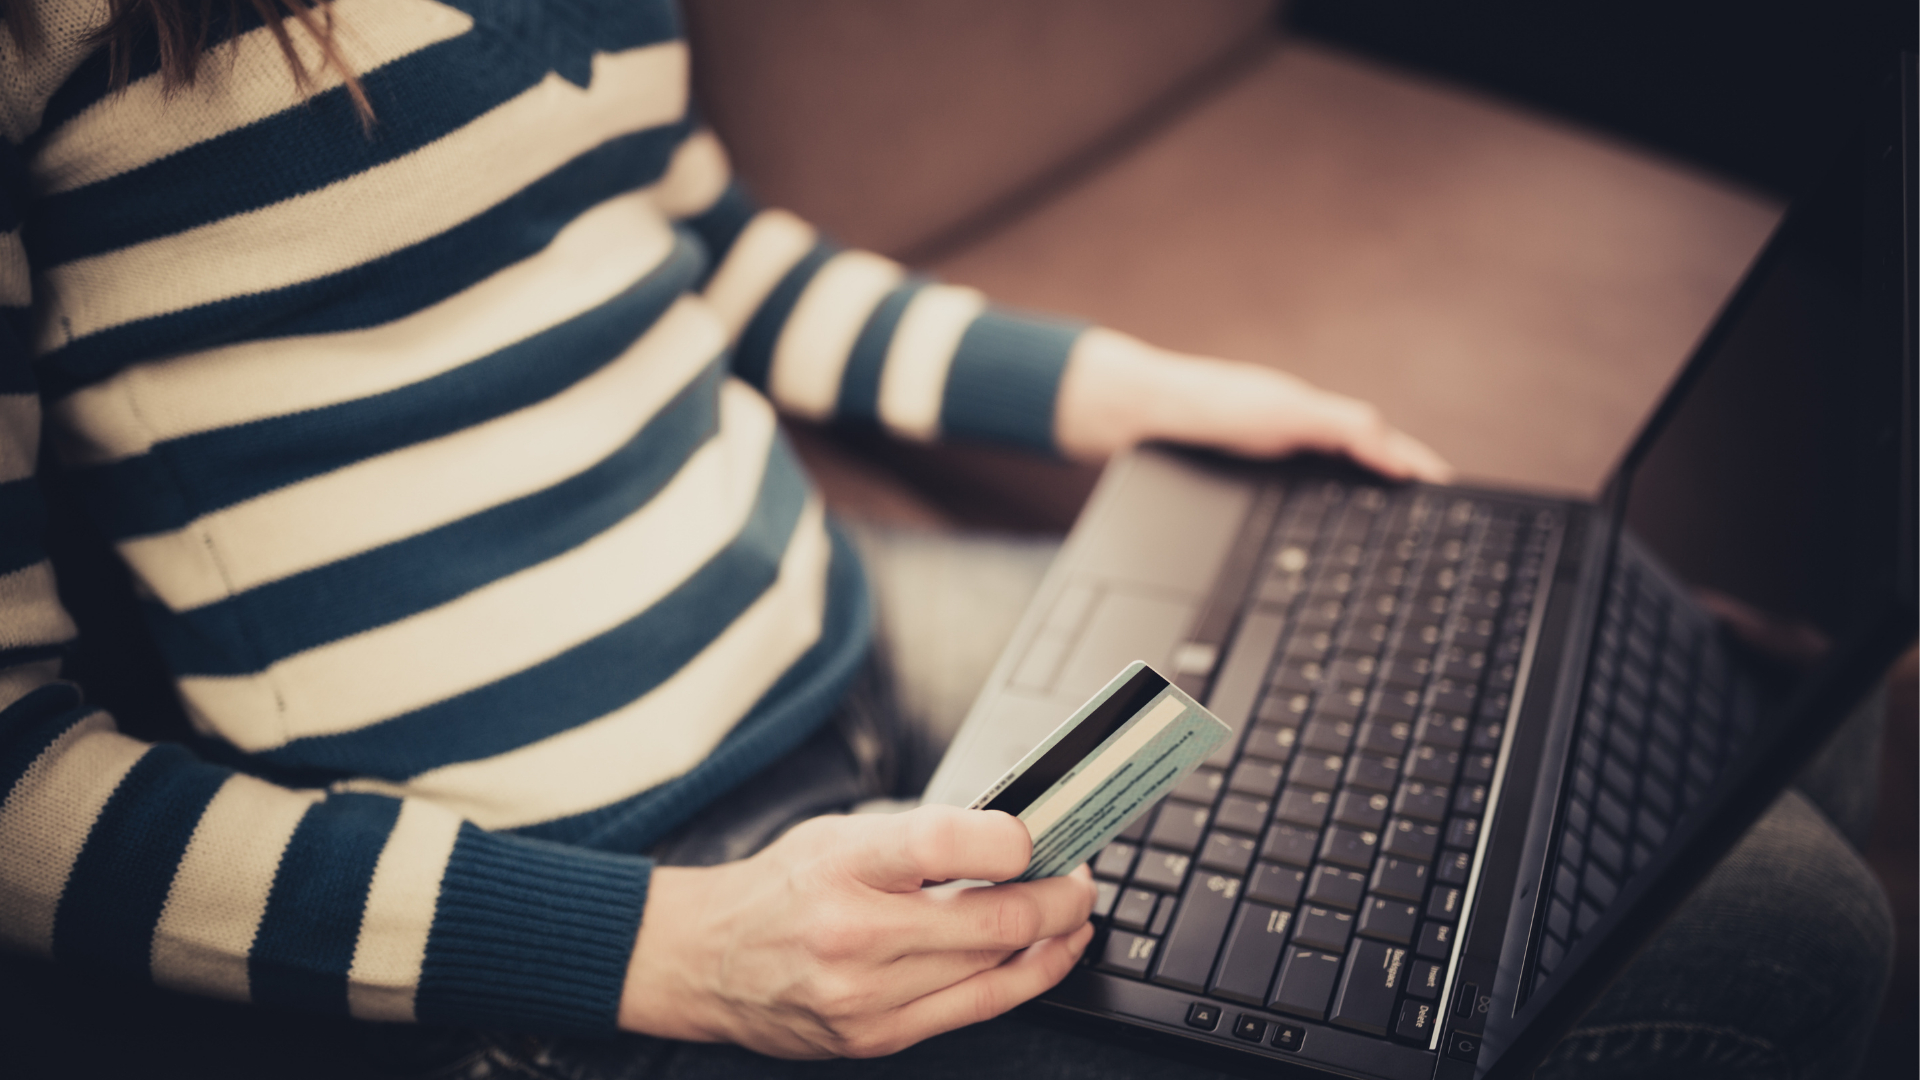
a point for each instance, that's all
(1125, 626)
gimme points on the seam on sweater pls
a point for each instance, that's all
(250, 633)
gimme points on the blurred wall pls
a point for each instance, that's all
(887, 121)
(1760, 91)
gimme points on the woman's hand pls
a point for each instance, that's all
(826, 944)
(1118, 391)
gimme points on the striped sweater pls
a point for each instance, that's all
(443, 460)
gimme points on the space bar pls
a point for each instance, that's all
(1238, 687)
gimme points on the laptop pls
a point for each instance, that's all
(1485, 741)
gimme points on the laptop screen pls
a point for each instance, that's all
(1769, 482)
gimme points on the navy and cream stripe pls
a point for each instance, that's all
(443, 456)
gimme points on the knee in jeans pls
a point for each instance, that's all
(1795, 863)
(1783, 951)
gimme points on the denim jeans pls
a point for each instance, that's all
(1774, 968)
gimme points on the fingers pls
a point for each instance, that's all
(912, 977)
(1421, 461)
(939, 843)
(1003, 918)
(983, 996)
(1338, 424)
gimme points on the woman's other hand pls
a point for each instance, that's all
(1119, 391)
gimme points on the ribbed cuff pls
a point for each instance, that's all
(531, 936)
(1005, 377)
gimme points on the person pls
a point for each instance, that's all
(417, 361)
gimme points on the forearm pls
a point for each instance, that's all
(1116, 391)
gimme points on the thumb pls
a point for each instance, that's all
(940, 843)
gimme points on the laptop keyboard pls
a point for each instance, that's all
(1318, 866)
(1662, 717)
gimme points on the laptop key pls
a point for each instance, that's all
(1422, 801)
(1288, 1037)
(1445, 902)
(1104, 895)
(1391, 920)
(1398, 705)
(1407, 673)
(1457, 701)
(1452, 867)
(1424, 978)
(1186, 958)
(1387, 738)
(1470, 799)
(1463, 832)
(1303, 806)
(1252, 953)
(1306, 983)
(1114, 860)
(1179, 827)
(1257, 778)
(1290, 844)
(1341, 703)
(1416, 1022)
(1334, 887)
(1351, 848)
(1478, 769)
(1276, 885)
(1367, 990)
(1327, 736)
(1445, 730)
(1361, 809)
(1271, 742)
(1162, 870)
(1435, 941)
(1288, 704)
(1373, 773)
(1322, 928)
(1227, 852)
(1311, 770)
(1433, 764)
(1134, 909)
(1402, 879)
(1162, 915)
(1127, 953)
(1242, 813)
(1416, 840)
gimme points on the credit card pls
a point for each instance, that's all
(1128, 746)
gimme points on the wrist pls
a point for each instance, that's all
(1115, 392)
(660, 996)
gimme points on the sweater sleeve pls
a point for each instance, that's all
(836, 334)
(141, 859)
